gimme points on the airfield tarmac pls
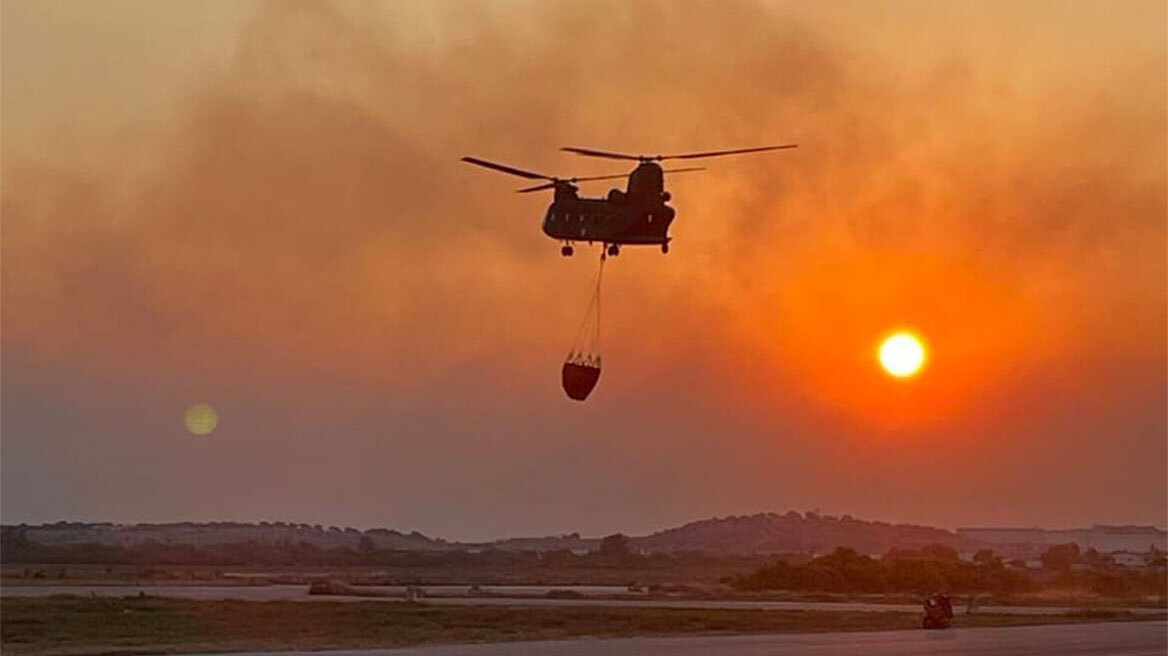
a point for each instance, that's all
(1110, 639)
(513, 596)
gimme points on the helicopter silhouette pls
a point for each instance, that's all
(639, 215)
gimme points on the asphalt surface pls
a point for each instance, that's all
(300, 593)
(1106, 639)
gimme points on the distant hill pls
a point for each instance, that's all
(807, 533)
(218, 533)
(753, 534)
(759, 534)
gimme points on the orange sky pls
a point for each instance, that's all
(260, 205)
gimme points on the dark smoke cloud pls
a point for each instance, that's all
(303, 240)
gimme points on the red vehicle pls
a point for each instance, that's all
(938, 612)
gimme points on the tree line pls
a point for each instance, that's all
(938, 568)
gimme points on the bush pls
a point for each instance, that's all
(931, 569)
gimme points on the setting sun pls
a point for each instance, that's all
(902, 354)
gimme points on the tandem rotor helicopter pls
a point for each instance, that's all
(637, 216)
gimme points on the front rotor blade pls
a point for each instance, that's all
(590, 178)
(600, 177)
(546, 185)
(718, 153)
(600, 153)
(507, 169)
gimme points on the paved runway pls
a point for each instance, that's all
(1108, 639)
(300, 593)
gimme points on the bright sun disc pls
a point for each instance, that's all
(201, 419)
(902, 354)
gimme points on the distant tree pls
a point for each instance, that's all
(986, 557)
(895, 553)
(560, 558)
(820, 578)
(616, 545)
(1097, 560)
(921, 575)
(1110, 585)
(940, 552)
(1060, 557)
(365, 544)
(858, 573)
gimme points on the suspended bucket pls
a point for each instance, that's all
(581, 369)
(579, 376)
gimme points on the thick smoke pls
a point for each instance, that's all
(303, 229)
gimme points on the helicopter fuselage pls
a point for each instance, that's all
(608, 221)
(638, 215)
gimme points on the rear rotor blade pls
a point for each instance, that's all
(600, 153)
(650, 158)
(507, 169)
(719, 153)
(684, 170)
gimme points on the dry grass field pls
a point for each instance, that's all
(75, 625)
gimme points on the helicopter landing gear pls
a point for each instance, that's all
(665, 248)
(567, 250)
(613, 250)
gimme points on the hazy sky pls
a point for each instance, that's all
(260, 206)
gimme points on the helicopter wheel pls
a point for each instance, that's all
(567, 250)
(614, 250)
(665, 248)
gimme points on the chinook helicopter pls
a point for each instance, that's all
(637, 216)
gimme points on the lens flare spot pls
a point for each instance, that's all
(201, 419)
(902, 354)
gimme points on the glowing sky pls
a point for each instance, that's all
(260, 206)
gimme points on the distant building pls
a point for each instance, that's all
(1126, 559)
(1102, 538)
